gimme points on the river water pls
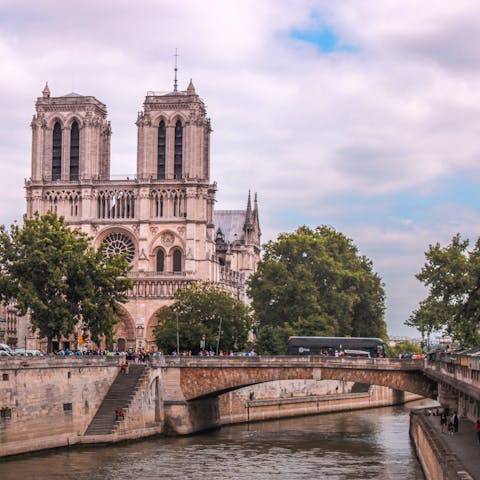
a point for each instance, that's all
(367, 444)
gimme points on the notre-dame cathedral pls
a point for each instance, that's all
(162, 217)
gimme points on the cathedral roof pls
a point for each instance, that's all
(73, 94)
(231, 223)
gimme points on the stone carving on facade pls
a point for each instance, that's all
(107, 130)
(168, 239)
(143, 120)
(136, 229)
(181, 230)
(93, 121)
(39, 121)
(153, 229)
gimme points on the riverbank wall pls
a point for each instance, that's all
(437, 460)
(252, 404)
(49, 402)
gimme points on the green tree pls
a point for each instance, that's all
(314, 282)
(452, 275)
(53, 273)
(403, 348)
(200, 309)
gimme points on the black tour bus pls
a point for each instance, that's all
(353, 346)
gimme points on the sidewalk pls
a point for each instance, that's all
(463, 444)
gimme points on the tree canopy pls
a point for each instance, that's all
(53, 273)
(314, 282)
(200, 309)
(404, 347)
(452, 275)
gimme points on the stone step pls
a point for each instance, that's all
(120, 395)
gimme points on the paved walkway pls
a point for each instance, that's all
(463, 444)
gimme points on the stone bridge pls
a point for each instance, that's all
(191, 385)
(51, 401)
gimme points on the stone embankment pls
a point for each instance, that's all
(294, 398)
(445, 456)
(51, 402)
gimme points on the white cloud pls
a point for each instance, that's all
(317, 135)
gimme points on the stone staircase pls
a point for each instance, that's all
(119, 395)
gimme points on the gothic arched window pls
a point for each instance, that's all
(158, 204)
(74, 151)
(177, 163)
(57, 152)
(160, 261)
(177, 261)
(161, 150)
(176, 206)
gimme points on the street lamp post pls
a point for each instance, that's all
(219, 333)
(178, 337)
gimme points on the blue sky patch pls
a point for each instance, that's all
(402, 209)
(324, 38)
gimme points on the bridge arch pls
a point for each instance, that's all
(211, 378)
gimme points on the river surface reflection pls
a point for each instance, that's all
(367, 444)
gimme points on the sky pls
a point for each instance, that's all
(358, 114)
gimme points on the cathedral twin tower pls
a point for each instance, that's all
(163, 218)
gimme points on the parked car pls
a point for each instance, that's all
(5, 348)
(4, 353)
(28, 353)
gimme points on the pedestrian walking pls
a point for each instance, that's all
(450, 425)
(455, 422)
(443, 421)
(477, 429)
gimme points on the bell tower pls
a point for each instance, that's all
(173, 137)
(70, 150)
(70, 139)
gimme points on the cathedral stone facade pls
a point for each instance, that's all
(162, 217)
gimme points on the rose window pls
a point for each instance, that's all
(117, 243)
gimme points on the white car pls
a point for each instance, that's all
(5, 348)
(27, 353)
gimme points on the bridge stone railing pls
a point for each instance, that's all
(460, 371)
(288, 361)
(58, 361)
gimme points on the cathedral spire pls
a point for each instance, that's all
(175, 82)
(248, 225)
(248, 214)
(256, 219)
(46, 91)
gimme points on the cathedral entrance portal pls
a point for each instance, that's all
(124, 333)
(121, 344)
